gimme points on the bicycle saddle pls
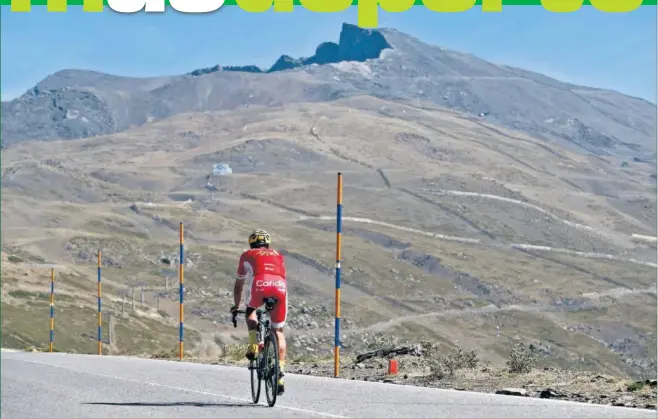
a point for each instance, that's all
(269, 303)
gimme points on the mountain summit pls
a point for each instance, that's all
(384, 63)
(355, 44)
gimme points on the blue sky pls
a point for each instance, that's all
(610, 50)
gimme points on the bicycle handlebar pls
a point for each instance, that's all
(235, 313)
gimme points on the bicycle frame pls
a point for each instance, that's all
(265, 337)
(263, 326)
(262, 334)
(263, 329)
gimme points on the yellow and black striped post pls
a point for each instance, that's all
(100, 311)
(339, 226)
(52, 309)
(181, 292)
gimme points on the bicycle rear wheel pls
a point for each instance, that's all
(271, 373)
(255, 379)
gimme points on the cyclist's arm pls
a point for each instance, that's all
(237, 291)
(239, 281)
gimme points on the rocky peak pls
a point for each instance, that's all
(327, 52)
(358, 44)
(355, 44)
(285, 62)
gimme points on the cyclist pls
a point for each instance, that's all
(264, 271)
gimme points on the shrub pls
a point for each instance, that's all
(460, 359)
(522, 359)
(446, 365)
(234, 352)
(636, 386)
(380, 341)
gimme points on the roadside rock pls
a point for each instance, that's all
(549, 393)
(513, 392)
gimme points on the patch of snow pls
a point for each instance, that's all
(387, 54)
(354, 67)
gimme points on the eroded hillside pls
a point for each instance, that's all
(455, 230)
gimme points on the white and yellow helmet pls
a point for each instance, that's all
(259, 238)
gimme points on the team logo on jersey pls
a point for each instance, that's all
(261, 283)
(266, 252)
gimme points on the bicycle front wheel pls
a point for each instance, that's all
(271, 370)
(255, 379)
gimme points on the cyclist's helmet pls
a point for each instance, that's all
(259, 238)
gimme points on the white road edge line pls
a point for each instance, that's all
(296, 409)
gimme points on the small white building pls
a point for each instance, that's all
(221, 169)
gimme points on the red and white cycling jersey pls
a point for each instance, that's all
(264, 272)
(256, 263)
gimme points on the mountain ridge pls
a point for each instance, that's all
(382, 63)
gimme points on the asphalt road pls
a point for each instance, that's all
(43, 385)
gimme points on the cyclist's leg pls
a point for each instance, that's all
(279, 315)
(252, 327)
(254, 300)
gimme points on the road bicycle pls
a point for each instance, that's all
(265, 366)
